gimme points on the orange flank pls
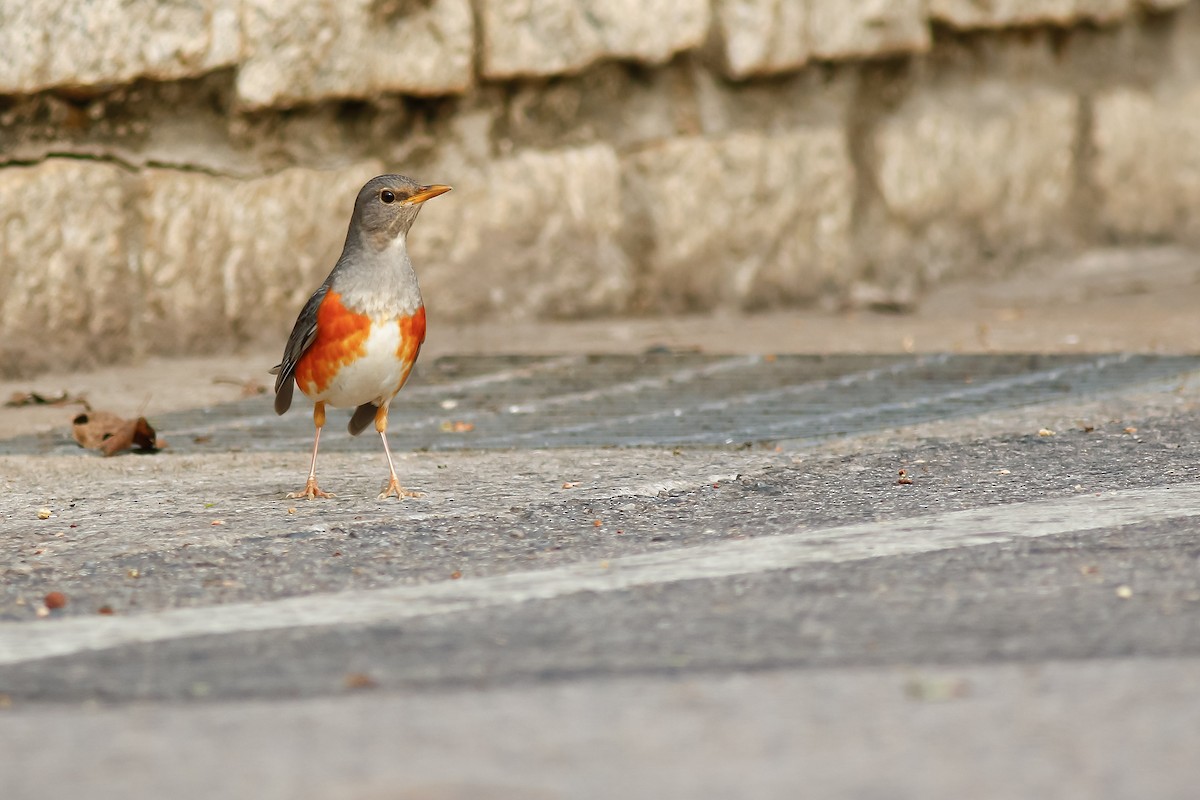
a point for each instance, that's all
(341, 338)
(412, 336)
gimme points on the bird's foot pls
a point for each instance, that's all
(311, 492)
(394, 489)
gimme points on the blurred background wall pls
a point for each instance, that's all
(176, 176)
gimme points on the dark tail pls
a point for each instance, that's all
(283, 397)
(364, 415)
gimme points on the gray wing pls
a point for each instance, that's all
(304, 333)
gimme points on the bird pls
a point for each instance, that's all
(357, 338)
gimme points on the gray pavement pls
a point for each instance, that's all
(1085, 729)
(658, 575)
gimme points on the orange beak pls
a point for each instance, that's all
(426, 193)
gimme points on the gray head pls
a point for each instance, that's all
(387, 206)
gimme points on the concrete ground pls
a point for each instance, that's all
(751, 602)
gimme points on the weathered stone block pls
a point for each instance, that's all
(299, 51)
(546, 37)
(227, 261)
(185, 233)
(620, 105)
(1010, 13)
(534, 235)
(765, 36)
(67, 289)
(982, 170)
(82, 43)
(802, 99)
(748, 220)
(759, 37)
(1147, 166)
(839, 30)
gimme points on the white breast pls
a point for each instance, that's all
(375, 376)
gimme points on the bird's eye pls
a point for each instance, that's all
(387, 196)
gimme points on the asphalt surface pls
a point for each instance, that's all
(660, 575)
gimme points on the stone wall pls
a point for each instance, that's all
(176, 175)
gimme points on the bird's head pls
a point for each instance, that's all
(387, 206)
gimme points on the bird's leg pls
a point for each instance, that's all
(311, 491)
(393, 487)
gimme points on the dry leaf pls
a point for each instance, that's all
(458, 426)
(110, 434)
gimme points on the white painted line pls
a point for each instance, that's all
(28, 641)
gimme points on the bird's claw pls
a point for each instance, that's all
(311, 492)
(394, 489)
